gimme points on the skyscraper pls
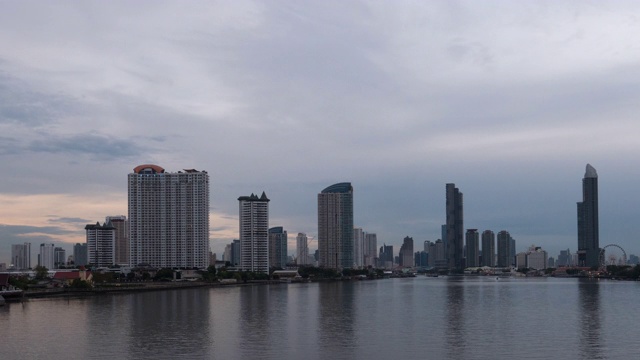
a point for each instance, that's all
(488, 248)
(46, 256)
(121, 245)
(254, 233)
(277, 247)
(168, 217)
(335, 226)
(473, 248)
(80, 254)
(21, 256)
(101, 244)
(406, 255)
(454, 241)
(370, 249)
(504, 249)
(59, 257)
(358, 247)
(302, 249)
(588, 232)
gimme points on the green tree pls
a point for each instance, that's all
(41, 272)
(164, 273)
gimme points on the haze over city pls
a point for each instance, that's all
(508, 100)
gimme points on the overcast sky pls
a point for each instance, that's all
(509, 100)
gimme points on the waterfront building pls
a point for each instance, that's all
(564, 258)
(504, 249)
(488, 248)
(21, 256)
(473, 248)
(80, 255)
(358, 247)
(534, 258)
(168, 217)
(277, 247)
(454, 228)
(512, 248)
(59, 257)
(302, 249)
(335, 226)
(440, 258)
(370, 249)
(406, 256)
(254, 233)
(46, 256)
(236, 253)
(386, 257)
(588, 231)
(101, 244)
(120, 224)
(226, 255)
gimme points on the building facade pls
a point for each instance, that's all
(21, 256)
(335, 226)
(504, 249)
(59, 257)
(406, 255)
(358, 247)
(46, 257)
(370, 249)
(101, 244)
(80, 255)
(302, 249)
(455, 225)
(488, 248)
(254, 233)
(473, 248)
(120, 223)
(168, 218)
(588, 229)
(277, 247)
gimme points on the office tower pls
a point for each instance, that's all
(370, 249)
(277, 247)
(21, 256)
(302, 249)
(512, 248)
(488, 248)
(504, 249)
(564, 258)
(588, 232)
(406, 255)
(254, 233)
(534, 258)
(59, 257)
(473, 248)
(335, 226)
(236, 253)
(358, 247)
(101, 244)
(80, 255)
(168, 218)
(226, 255)
(121, 225)
(46, 256)
(454, 241)
(386, 256)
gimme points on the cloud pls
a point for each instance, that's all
(98, 147)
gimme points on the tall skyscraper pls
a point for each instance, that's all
(302, 249)
(370, 249)
(277, 247)
(236, 253)
(21, 256)
(168, 217)
(254, 233)
(120, 224)
(59, 257)
(406, 255)
(454, 228)
(504, 249)
(386, 256)
(358, 247)
(588, 231)
(335, 226)
(101, 244)
(473, 248)
(80, 255)
(488, 248)
(46, 256)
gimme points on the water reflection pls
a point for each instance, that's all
(590, 323)
(455, 336)
(336, 320)
(169, 324)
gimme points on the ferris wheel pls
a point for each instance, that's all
(616, 257)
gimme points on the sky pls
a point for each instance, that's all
(509, 100)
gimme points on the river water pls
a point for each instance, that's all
(413, 318)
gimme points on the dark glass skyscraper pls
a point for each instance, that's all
(335, 226)
(588, 232)
(454, 228)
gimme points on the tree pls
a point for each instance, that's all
(164, 273)
(41, 272)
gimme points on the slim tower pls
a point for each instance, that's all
(588, 232)
(302, 249)
(473, 248)
(277, 247)
(454, 241)
(335, 226)
(488, 248)
(254, 233)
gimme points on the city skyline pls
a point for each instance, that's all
(397, 99)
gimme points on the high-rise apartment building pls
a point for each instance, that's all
(277, 247)
(588, 231)
(120, 224)
(236, 251)
(101, 244)
(80, 254)
(21, 256)
(59, 257)
(335, 226)
(386, 256)
(302, 249)
(254, 233)
(473, 248)
(504, 249)
(406, 255)
(46, 256)
(488, 248)
(358, 247)
(455, 230)
(168, 217)
(370, 249)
